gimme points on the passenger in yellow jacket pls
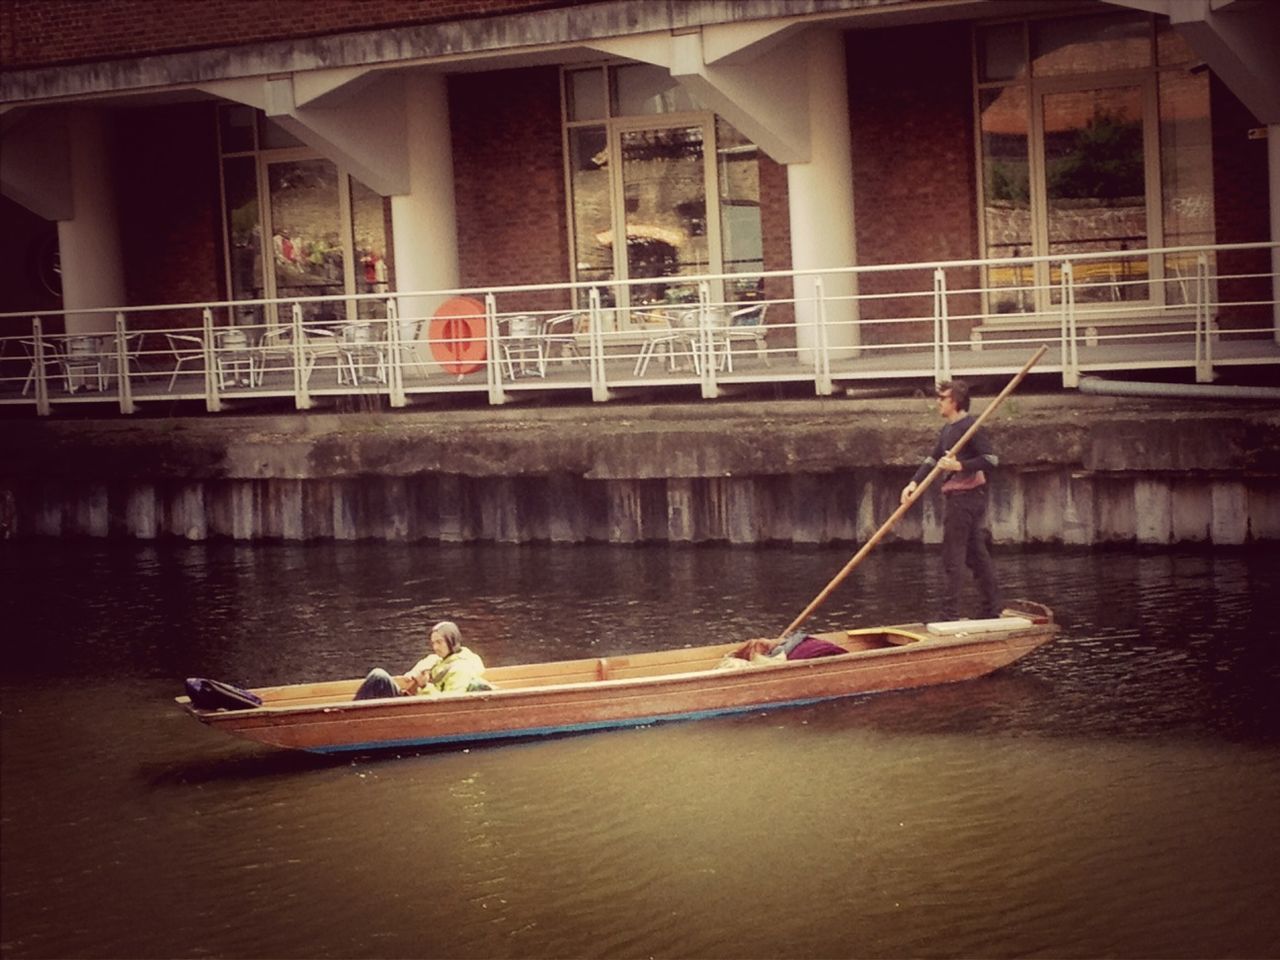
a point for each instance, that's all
(449, 668)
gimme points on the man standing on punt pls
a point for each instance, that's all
(964, 527)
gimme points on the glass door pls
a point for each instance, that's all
(307, 252)
(1095, 189)
(666, 231)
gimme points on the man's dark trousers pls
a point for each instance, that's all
(964, 544)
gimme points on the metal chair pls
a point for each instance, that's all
(520, 341)
(185, 349)
(562, 332)
(745, 324)
(680, 338)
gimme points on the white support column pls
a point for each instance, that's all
(424, 219)
(1273, 182)
(821, 196)
(89, 242)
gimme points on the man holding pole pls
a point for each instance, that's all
(964, 525)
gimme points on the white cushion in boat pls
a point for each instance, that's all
(950, 628)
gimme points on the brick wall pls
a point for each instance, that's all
(509, 170)
(1241, 200)
(165, 167)
(41, 32)
(911, 114)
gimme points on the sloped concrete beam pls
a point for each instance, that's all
(355, 118)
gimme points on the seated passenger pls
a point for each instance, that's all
(449, 668)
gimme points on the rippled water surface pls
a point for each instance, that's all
(1114, 794)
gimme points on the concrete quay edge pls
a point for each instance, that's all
(723, 438)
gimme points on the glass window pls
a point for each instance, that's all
(666, 214)
(244, 229)
(1095, 187)
(369, 242)
(586, 94)
(1171, 48)
(1002, 52)
(741, 234)
(1090, 45)
(314, 231)
(1069, 163)
(644, 90)
(305, 216)
(1006, 191)
(1186, 169)
(272, 136)
(592, 214)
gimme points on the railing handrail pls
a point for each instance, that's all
(684, 280)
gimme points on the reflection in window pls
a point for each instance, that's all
(741, 235)
(244, 228)
(1090, 44)
(317, 231)
(1096, 187)
(589, 188)
(1006, 185)
(369, 229)
(648, 188)
(1068, 163)
(1186, 169)
(643, 89)
(662, 170)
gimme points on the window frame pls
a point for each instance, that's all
(1046, 300)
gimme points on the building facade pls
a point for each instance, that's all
(159, 153)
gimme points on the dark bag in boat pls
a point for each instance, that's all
(216, 695)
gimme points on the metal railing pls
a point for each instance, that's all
(1197, 308)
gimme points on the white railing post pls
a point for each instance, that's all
(124, 385)
(704, 346)
(42, 385)
(301, 373)
(493, 369)
(395, 370)
(212, 400)
(941, 331)
(1070, 354)
(822, 353)
(1204, 322)
(595, 331)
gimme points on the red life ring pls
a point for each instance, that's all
(457, 336)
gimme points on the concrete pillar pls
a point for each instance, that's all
(424, 219)
(89, 243)
(821, 195)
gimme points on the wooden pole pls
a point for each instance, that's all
(906, 504)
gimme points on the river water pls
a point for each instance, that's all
(1114, 794)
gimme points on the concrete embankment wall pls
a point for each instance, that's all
(1074, 470)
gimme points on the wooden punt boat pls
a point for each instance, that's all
(567, 696)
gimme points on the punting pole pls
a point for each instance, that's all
(906, 504)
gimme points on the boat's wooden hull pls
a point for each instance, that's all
(539, 699)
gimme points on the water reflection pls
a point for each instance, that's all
(1113, 794)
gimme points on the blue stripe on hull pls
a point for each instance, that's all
(571, 728)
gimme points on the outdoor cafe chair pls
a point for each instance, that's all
(561, 335)
(680, 338)
(521, 344)
(54, 358)
(745, 325)
(185, 349)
